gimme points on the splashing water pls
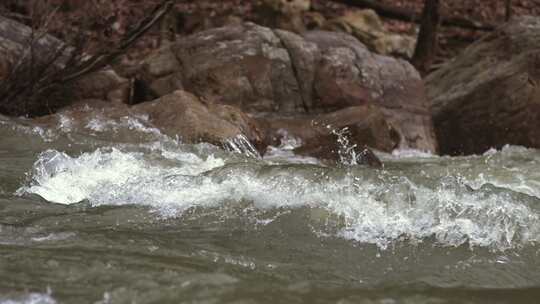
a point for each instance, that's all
(378, 209)
(285, 151)
(347, 151)
(149, 219)
(240, 144)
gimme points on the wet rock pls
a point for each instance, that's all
(348, 74)
(489, 96)
(80, 114)
(178, 115)
(323, 135)
(260, 70)
(184, 115)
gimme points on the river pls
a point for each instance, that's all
(116, 212)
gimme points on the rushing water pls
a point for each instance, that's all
(116, 212)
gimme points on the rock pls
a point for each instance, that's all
(179, 114)
(349, 75)
(288, 6)
(247, 125)
(163, 86)
(184, 115)
(369, 29)
(314, 20)
(304, 56)
(489, 95)
(246, 66)
(283, 14)
(320, 135)
(395, 45)
(15, 41)
(79, 115)
(161, 63)
(105, 84)
(192, 21)
(273, 71)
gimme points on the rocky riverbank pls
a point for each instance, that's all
(260, 82)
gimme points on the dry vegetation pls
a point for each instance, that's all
(98, 32)
(38, 80)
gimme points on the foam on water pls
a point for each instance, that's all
(285, 151)
(377, 207)
(140, 124)
(109, 176)
(411, 153)
(32, 298)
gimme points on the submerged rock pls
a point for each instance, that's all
(489, 96)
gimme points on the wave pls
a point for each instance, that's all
(377, 207)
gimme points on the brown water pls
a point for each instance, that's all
(115, 212)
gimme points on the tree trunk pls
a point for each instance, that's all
(508, 11)
(426, 45)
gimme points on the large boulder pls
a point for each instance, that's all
(489, 96)
(184, 115)
(342, 73)
(274, 71)
(324, 135)
(178, 115)
(243, 65)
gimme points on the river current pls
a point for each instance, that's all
(116, 212)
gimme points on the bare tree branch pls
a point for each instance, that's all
(46, 65)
